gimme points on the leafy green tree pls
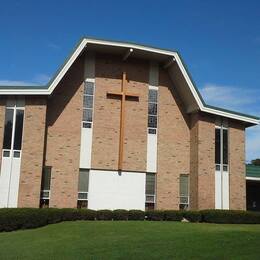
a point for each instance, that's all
(256, 162)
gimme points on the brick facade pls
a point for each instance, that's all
(32, 152)
(186, 143)
(173, 144)
(105, 147)
(202, 161)
(237, 166)
(64, 116)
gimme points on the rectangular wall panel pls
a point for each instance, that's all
(5, 181)
(225, 190)
(221, 190)
(116, 190)
(9, 182)
(218, 190)
(87, 133)
(14, 183)
(151, 152)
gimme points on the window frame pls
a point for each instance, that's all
(14, 104)
(45, 200)
(80, 192)
(151, 202)
(152, 129)
(185, 205)
(88, 123)
(222, 166)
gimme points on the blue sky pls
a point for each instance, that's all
(219, 41)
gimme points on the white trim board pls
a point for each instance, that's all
(83, 44)
(253, 178)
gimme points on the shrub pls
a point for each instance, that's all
(104, 214)
(120, 214)
(173, 215)
(155, 215)
(136, 214)
(192, 216)
(13, 219)
(230, 216)
(87, 214)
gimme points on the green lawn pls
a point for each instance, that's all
(132, 240)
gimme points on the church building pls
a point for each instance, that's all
(120, 126)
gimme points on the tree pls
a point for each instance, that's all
(256, 162)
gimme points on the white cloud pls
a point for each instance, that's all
(229, 96)
(38, 79)
(53, 46)
(245, 100)
(15, 83)
(41, 78)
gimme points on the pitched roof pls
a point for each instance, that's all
(148, 52)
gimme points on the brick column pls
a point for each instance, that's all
(32, 152)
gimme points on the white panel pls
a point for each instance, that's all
(112, 190)
(14, 183)
(225, 190)
(218, 190)
(151, 152)
(85, 147)
(86, 133)
(5, 181)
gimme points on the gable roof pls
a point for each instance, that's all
(148, 52)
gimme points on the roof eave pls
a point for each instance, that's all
(49, 88)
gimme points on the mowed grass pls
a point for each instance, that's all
(132, 240)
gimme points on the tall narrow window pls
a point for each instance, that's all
(88, 97)
(83, 188)
(221, 148)
(184, 191)
(152, 111)
(150, 191)
(45, 187)
(13, 132)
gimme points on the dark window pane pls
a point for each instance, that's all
(82, 204)
(83, 180)
(152, 109)
(149, 206)
(87, 115)
(18, 129)
(82, 196)
(225, 146)
(152, 131)
(89, 88)
(46, 178)
(8, 128)
(86, 125)
(150, 184)
(88, 101)
(217, 146)
(152, 95)
(152, 121)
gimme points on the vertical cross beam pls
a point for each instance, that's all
(122, 95)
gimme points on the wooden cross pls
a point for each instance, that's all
(123, 95)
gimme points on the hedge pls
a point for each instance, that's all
(230, 216)
(24, 218)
